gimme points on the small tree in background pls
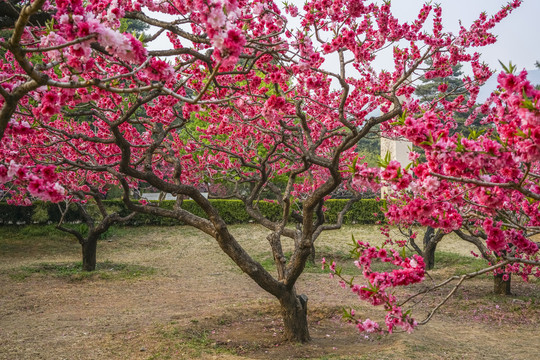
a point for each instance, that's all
(95, 225)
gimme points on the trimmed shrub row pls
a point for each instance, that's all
(232, 211)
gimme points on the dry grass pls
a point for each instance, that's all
(196, 304)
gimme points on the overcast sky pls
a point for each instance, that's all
(517, 35)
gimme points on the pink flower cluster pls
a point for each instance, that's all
(77, 20)
(379, 284)
(498, 239)
(488, 175)
(365, 177)
(394, 174)
(159, 70)
(220, 21)
(41, 181)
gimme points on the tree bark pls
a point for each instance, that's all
(312, 254)
(429, 257)
(501, 286)
(429, 248)
(431, 239)
(89, 254)
(294, 311)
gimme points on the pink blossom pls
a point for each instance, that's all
(370, 326)
(216, 18)
(333, 266)
(292, 10)
(159, 70)
(4, 177)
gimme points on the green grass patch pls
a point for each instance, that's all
(342, 258)
(460, 263)
(516, 301)
(31, 231)
(178, 342)
(35, 240)
(73, 271)
(40, 241)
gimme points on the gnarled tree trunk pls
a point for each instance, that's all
(429, 248)
(89, 247)
(294, 312)
(501, 286)
(312, 254)
(431, 239)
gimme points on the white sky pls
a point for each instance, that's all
(517, 34)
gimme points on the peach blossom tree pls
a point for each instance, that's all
(237, 96)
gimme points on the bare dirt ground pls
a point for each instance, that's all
(195, 304)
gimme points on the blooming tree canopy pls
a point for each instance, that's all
(485, 187)
(238, 97)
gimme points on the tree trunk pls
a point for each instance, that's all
(294, 311)
(429, 256)
(89, 254)
(431, 239)
(501, 286)
(312, 254)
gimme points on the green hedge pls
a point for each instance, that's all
(232, 212)
(367, 211)
(38, 213)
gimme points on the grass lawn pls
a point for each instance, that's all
(171, 293)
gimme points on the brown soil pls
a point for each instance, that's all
(198, 305)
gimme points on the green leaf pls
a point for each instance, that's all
(510, 69)
(346, 314)
(528, 104)
(49, 25)
(371, 289)
(384, 162)
(408, 166)
(401, 119)
(354, 162)
(474, 134)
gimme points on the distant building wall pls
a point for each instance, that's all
(399, 150)
(156, 196)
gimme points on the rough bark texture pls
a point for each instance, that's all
(312, 254)
(89, 254)
(429, 257)
(294, 311)
(429, 248)
(431, 239)
(500, 286)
